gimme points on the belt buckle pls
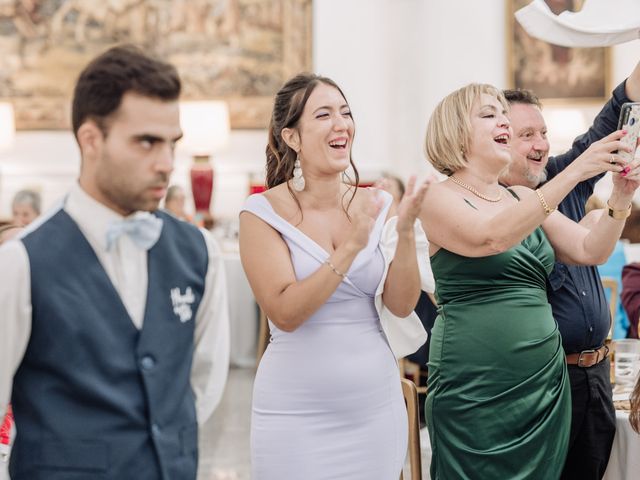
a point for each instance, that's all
(592, 350)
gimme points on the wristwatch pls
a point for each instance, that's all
(619, 214)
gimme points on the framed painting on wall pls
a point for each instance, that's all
(240, 51)
(555, 74)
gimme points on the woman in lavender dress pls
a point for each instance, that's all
(327, 401)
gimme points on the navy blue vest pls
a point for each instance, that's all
(94, 397)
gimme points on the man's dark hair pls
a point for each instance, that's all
(121, 69)
(521, 95)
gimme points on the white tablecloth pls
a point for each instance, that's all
(243, 314)
(624, 463)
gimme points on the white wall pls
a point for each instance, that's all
(50, 163)
(394, 59)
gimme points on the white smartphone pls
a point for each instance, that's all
(629, 121)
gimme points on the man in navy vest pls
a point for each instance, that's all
(115, 336)
(575, 292)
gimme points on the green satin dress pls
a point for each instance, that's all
(498, 405)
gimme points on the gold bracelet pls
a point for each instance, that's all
(335, 270)
(619, 214)
(543, 202)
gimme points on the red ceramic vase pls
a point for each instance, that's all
(202, 184)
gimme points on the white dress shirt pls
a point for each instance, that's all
(126, 266)
(405, 335)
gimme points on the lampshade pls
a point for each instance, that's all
(7, 125)
(205, 125)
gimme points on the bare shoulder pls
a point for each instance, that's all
(520, 190)
(282, 201)
(439, 202)
(439, 192)
(256, 231)
(444, 204)
(277, 194)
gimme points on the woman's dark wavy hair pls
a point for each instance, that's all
(287, 109)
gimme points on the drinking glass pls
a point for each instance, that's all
(627, 361)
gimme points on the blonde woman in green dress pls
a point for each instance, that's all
(498, 405)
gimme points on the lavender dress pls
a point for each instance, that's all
(327, 401)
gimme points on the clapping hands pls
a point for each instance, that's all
(410, 204)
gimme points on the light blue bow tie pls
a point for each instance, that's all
(143, 230)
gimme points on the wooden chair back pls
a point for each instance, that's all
(612, 285)
(410, 393)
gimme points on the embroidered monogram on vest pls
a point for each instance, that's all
(182, 303)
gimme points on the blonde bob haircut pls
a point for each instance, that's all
(449, 130)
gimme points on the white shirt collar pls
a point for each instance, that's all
(93, 217)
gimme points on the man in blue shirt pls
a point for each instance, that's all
(575, 292)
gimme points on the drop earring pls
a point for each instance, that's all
(298, 179)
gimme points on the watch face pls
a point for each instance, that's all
(619, 214)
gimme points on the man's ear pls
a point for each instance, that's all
(292, 138)
(90, 138)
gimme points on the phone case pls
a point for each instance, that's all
(629, 121)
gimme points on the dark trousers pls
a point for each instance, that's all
(593, 422)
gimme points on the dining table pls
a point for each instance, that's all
(624, 462)
(244, 315)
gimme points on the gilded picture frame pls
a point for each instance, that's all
(557, 75)
(240, 51)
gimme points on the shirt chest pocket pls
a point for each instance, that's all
(558, 276)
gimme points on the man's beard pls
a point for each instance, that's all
(536, 180)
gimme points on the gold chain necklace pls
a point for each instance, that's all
(474, 191)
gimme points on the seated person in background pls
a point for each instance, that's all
(174, 202)
(630, 296)
(26, 207)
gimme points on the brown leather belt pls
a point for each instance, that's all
(588, 358)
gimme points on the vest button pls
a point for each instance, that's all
(155, 430)
(147, 362)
